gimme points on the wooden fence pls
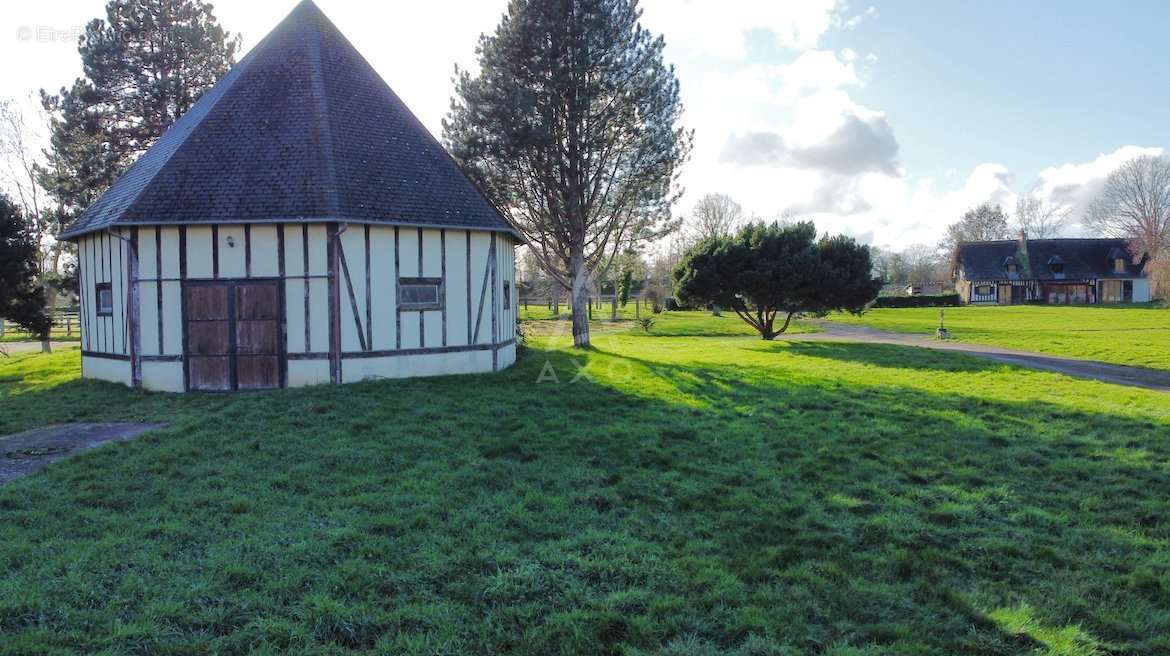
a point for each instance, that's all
(65, 324)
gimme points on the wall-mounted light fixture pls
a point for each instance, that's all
(231, 242)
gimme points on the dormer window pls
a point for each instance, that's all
(1056, 265)
(1120, 265)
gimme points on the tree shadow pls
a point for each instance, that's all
(619, 504)
(891, 356)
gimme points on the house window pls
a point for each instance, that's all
(507, 295)
(105, 299)
(1127, 291)
(420, 294)
(983, 290)
(1119, 265)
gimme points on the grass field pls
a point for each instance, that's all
(686, 495)
(1133, 335)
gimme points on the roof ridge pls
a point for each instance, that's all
(321, 105)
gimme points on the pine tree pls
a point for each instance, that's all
(571, 128)
(22, 298)
(144, 66)
(625, 286)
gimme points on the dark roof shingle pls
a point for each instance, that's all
(1082, 259)
(301, 129)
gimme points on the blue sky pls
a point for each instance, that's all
(884, 119)
(1027, 84)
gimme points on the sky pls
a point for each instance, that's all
(880, 119)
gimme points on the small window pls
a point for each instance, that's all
(1057, 267)
(420, 294)
(1119, 265)
(983, 290)
(507, 295)
(105, 299)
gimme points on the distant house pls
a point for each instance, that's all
(923, 289)
(297, 225)
(1056, 271)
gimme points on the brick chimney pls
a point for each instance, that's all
(1023, 262)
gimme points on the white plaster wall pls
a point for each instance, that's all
(199, 261)
(114, 371)
(480, 243)
(265, 251)
(103, 258)
(232, 258)
(353, 245)
(162, 376)
(413, 366)
(456, 287)
(1141, 290)
(307, 372)
(382, 277)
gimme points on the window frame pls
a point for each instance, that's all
(990, 290)
(507, 295)
(437, 283)
(98, 288)
(1120, 265)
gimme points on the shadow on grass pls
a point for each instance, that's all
(644, 506)
(891, 356)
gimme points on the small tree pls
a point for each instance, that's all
(766, 270)
(1135, 205)
(625, 285)
(715, 215)
(22, 297)
(1040, 219)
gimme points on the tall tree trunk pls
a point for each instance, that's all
(51, 298)
(579, 300)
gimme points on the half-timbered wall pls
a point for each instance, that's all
(340, 285)
(103, 262)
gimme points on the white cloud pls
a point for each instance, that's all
(720, 29)
(1075, 185)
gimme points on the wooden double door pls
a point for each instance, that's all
(234, 338)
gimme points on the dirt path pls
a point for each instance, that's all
(1108, 373)
(23, 453)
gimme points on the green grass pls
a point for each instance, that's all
(1132, 335)
(687, 496)
(692, 323)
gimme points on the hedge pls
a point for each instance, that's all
(941, 300)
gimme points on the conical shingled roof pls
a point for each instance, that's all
(301, 129)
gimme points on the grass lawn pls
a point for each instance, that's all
(687, 495)
(1133, 335)
(541, 321)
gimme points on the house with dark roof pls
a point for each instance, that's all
(1056, 271)
(297, 226)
